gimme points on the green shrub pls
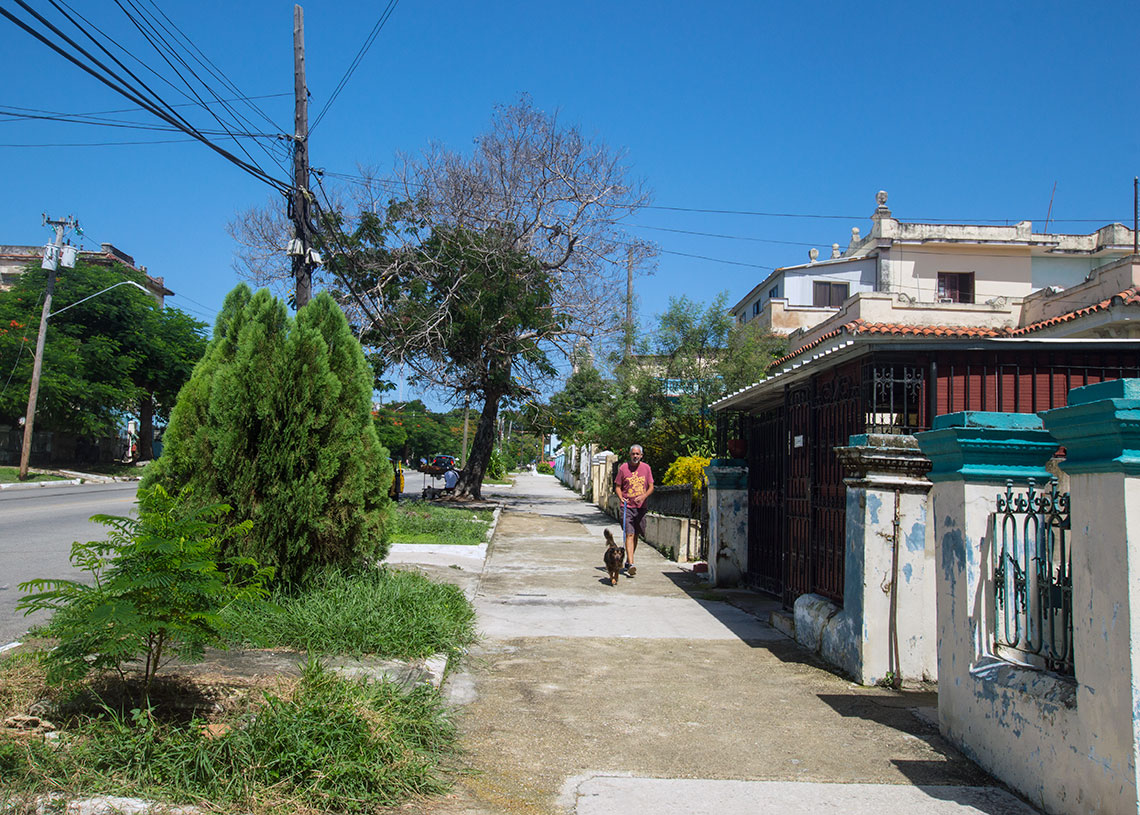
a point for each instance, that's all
(276, 421)
(496, 466)
(544, 468)
(688, 470)
(154, 586)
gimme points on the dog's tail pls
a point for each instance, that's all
(609, 538)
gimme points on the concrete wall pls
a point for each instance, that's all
(1069, 744)
(728, 521)
(886, 629)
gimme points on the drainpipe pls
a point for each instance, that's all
(893, 659)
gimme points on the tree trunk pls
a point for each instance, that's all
(146, 427)
(471, 479)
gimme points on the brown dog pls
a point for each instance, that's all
(615, 558)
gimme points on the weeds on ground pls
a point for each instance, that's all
(329, 746)
(421, 522)
(383, 612)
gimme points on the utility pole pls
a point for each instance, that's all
(300, 248)
(51, 260)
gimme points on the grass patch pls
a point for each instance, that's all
(9, 475)
(329, 745)
(423, 522)
(111, 468)
(383, 612)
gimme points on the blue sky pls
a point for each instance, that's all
(962, 112)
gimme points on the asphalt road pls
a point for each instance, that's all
(37, 528)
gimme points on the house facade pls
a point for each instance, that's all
(988, 268)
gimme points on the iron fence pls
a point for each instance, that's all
(674, 501)
(1033, 577)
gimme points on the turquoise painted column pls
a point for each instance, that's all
(1100, 430)
(972, 455)
(728, 520)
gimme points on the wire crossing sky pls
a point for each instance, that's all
(764, 129)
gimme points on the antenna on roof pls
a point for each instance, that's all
(1050, 212)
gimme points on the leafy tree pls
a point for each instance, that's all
(155, 587)
(662, 396)
(577, 413)
(490, 265)
(276, 421)
(116, 353)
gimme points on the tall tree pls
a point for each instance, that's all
(276, 422)
(534, 212)
(116, 353)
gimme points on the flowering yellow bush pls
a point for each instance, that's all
(688, 470)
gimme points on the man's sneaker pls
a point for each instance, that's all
(631, 570)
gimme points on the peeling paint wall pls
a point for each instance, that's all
(1069, 744)
(728, 521)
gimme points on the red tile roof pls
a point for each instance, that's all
(1128, 297)
(861, 326)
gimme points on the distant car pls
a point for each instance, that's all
(438, 465)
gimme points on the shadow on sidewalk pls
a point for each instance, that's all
(944, 781)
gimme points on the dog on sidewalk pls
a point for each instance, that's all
(614, 557)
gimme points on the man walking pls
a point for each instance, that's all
(634, 485)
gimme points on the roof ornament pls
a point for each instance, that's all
(813, 254)
(834, 250)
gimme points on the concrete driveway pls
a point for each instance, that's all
(661, 696)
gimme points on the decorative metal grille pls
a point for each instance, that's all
(894, 399)
(1033, 577)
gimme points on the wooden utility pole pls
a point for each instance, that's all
(301, 199)
(51, 263)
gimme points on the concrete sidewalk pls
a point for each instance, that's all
(657, 696)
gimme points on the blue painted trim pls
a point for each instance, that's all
(1100, 428)
(727, 474)
(987, 447)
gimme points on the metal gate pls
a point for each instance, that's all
(767, 446)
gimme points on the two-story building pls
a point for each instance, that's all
(982, 272)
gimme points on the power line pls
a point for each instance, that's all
(371, 38)
(114, 81)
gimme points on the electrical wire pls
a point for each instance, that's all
(116, 82)
(371, 38)
(169, 49)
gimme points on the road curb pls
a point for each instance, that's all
(28, 485)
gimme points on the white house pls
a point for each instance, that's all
(986, 267)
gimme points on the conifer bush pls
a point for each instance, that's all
(276, 422)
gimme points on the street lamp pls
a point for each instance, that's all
(37, 364)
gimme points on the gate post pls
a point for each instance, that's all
(887, 628)
(973, 454)
(1100, 430)
(728, 521)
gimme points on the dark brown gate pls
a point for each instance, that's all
(837, 414)
(797, 499)
(767, 450)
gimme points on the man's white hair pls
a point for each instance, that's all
(633, 447)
